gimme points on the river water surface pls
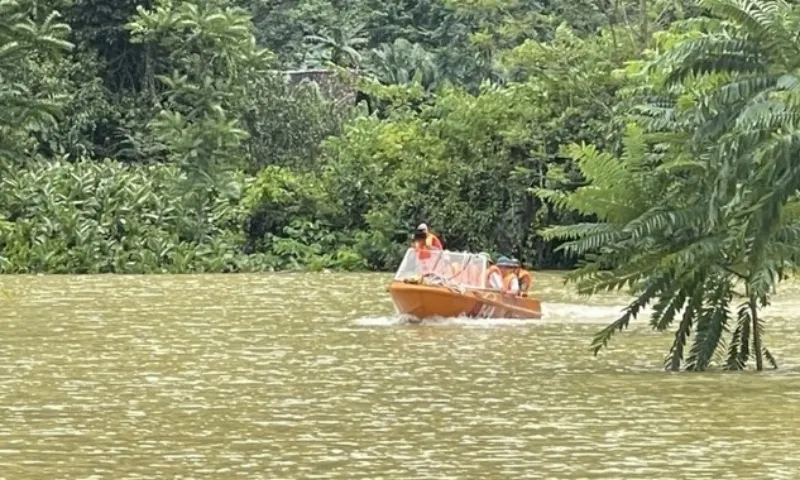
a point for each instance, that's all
(310, 376)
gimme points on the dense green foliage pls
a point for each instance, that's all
(653, 141)
(430, 111)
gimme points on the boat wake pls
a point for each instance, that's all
(387, 321)
(554, 313)
(584, 313)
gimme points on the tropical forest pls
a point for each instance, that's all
(647, 146)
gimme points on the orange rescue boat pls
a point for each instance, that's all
(441, 283)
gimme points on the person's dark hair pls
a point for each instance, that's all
(419, 234)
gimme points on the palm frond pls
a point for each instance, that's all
(709, 54)
(601, 339)
(761, 23)
(770, 359)
(675, 355)
(738, 348)
(709, 328)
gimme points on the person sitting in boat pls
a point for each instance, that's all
(515, 278)
(508, 269)
(494, 276)
(525, 280)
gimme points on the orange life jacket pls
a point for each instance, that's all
(490, 272)
(431, 241)
(525, 280)
(423, 246)
(508, 279)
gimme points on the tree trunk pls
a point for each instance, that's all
(645, 26)
(756, 335)
(149, 73)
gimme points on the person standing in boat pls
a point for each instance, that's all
(423, 243)
(424, 239)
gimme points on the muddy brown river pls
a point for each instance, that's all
(311, 376)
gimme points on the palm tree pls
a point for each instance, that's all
(722, 127)
(338, 44)
(751, 115)
(22, 42)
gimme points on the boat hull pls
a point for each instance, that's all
(427, 301)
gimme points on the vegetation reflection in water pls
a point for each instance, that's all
(220, 376)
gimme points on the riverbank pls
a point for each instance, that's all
(110, 217)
